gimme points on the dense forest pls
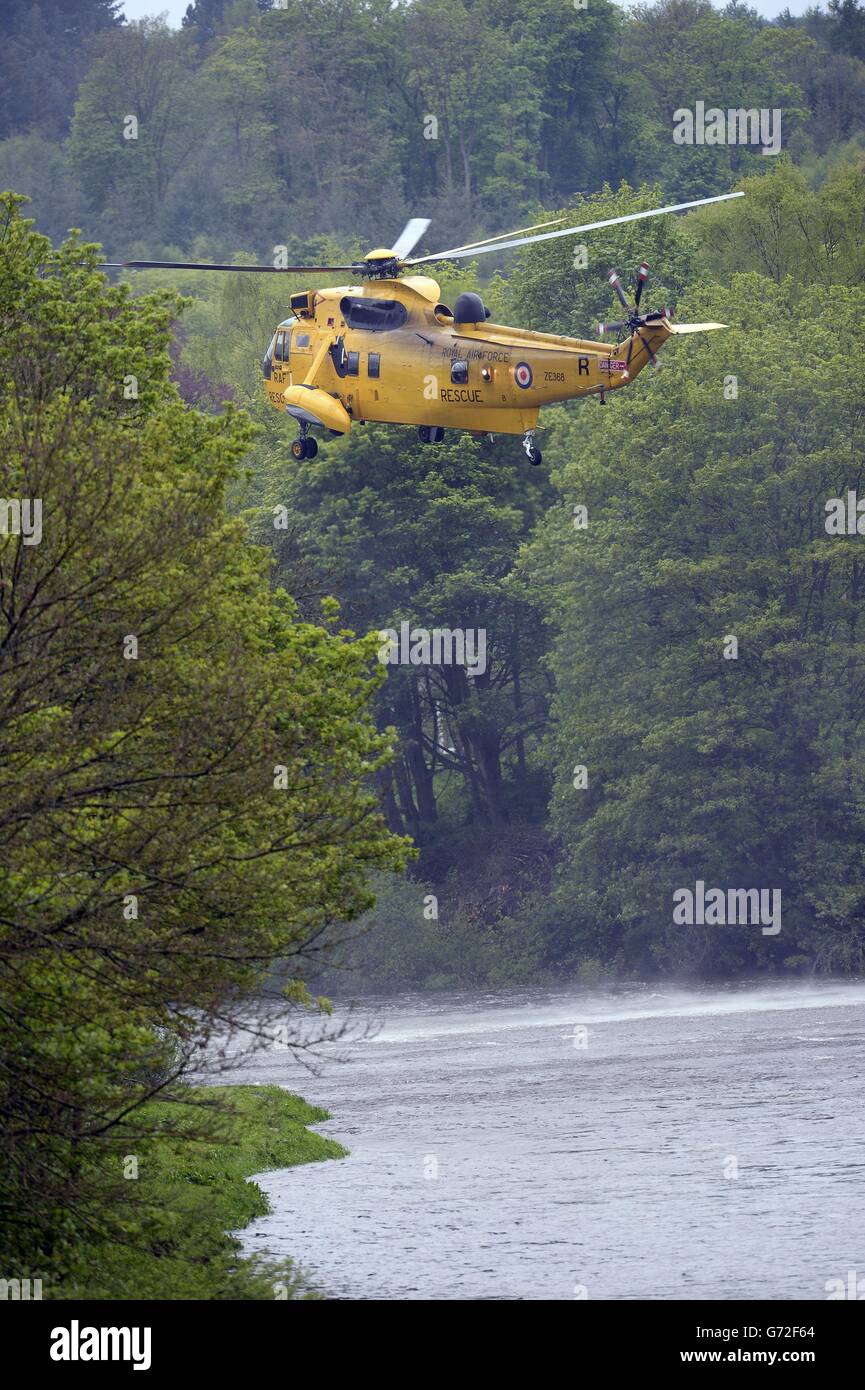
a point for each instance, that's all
(261, 124)
(319, 129)
(210, 785)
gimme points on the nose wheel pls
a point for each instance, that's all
(533, 453)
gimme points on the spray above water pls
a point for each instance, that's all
(596, 1008)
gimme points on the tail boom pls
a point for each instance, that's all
(645, 344)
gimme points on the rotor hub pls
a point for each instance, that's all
(381, 264)
(634, 321)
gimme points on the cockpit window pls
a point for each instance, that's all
(375, 315)
(267, 361)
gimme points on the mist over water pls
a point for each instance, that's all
(643, 1143)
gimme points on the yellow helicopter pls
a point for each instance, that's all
(387, 349)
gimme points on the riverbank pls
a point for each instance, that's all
(191, 1191)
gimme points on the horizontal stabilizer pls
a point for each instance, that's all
(695, 327)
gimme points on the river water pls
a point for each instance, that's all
(639, 1144)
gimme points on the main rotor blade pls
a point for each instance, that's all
(459, 252)
(410, 236)
(199, 265)
(488, 240)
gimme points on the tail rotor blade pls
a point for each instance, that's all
(642, 276)
(652, 358)
(626, 373)
(612, 327)
(617, 286)
(695, 327)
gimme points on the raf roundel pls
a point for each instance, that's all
(523, 374)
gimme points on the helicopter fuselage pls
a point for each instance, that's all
(390, 351)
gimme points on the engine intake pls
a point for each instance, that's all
(470, 308)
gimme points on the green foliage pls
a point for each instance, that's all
(135, 125)
(555, 292)
(404, 533)
(482, 926)
(186, 767)
(706, 518)
(261, 127)
(785, 231)
(679, 52)
(189, 1187)
(43, 57)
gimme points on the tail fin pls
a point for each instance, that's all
(642, 347)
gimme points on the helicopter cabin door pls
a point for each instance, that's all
(301, 354)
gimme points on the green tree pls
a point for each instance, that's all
(564, 60)
(481, 107)
(683, 51)
(337, 102)
(43, 55)
(240, 122)
(784, 230)
(136, 125)
(847, 27)
(706, 492)
(561, 285)
(400, 532)
(37, 167)
(187, 786)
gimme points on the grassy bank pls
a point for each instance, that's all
(190, 1191)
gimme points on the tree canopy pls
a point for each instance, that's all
(188, 773)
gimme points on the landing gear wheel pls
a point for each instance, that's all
(533, 453)
(304, 448)
(430, 434)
